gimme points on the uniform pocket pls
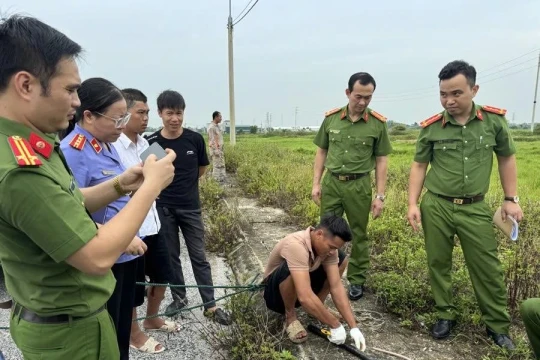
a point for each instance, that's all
(445, 146)
(335, 148)
(484, 148)
(364, 146)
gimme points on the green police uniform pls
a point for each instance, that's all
(461, 158)
(346, 186)
(58, 310)
(530, 312)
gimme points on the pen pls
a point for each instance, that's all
(480, 139)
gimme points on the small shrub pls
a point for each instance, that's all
(255, 333)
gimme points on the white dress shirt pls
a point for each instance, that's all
(130, 155)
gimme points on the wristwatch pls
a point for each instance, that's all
(380, 197)
(514, 199)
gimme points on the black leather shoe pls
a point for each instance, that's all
(442, 328)
(501, 340)
(175, 307)
(356, 292)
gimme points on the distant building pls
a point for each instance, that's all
(240, 129)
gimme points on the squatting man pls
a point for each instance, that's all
(303, 268)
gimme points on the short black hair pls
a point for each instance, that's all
(132, 96)
(364, 78)
(215, 114)
(457, 67)
(28, 44)
(170, 99)
(336, 226)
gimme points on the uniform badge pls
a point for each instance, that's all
(378, 116)
(494, 110)
(95, 145)
(72, 185)
(332, 112)
(108, 172)
(431, 120)
(41, 146)
(23, 152)
(78, 142)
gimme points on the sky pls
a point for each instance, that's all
(296, 56)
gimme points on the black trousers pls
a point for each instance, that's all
(191, 225)
(121, 302)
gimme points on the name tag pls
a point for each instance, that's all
(334, 131)
(72, 185)
(108, 172)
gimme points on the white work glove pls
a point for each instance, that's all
(338, 335)
(358, 338)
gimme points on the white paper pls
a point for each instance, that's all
(515, 229)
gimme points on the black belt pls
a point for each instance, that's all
(32, 317)
(462, 201)
(347, 177)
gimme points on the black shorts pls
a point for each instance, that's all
(139, 277)
(272, 296)
(157, 263)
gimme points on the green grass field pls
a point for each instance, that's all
(528, 155)
(278, 170)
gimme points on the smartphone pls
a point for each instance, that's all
(155, 149)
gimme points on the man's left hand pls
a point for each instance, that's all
(132, 178)
(512, 209)
(376, 208)
(358, 338)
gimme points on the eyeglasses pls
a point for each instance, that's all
(122, 121)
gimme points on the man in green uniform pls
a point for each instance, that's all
(352, 141)
(55, 260)
(459, 144)
(530, 312)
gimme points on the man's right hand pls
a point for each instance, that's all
(316, 194)
(414, 217)
(338, 335)
(159, 172)
(136, 247)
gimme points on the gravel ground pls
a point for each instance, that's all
(188, 344)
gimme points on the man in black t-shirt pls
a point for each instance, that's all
(179, 204)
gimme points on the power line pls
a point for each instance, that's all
(480, 79)
(484, 82)
(509, 61)
(420, 91)
(252, 6)
(241, 12)
(508, 68)
(513, 73)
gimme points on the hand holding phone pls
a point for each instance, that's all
(155, 149)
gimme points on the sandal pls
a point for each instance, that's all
(168, 327)
(149, 346)
(293, 330)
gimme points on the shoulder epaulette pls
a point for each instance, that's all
(431, 120)
(78, 142)
(23, 152)
(378, 116)
(494, 110)
(332, 112)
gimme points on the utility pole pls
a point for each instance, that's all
(231, 78)
(535, 93)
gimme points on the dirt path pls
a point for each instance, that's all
(382, 330)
